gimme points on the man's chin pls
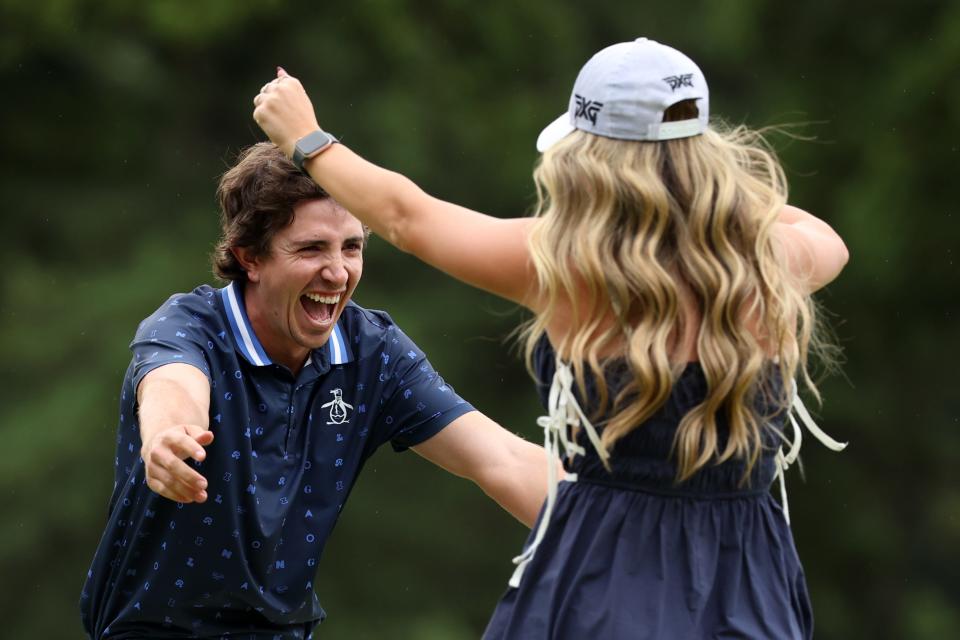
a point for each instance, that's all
(314, 341)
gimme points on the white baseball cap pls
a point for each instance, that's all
(623, 91)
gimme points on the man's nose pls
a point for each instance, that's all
(335, 273)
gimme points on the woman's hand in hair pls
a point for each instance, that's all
(284, 111)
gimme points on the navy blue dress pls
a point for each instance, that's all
(631, 554)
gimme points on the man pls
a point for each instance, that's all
(247, 413)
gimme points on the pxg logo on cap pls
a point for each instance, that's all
(586, 108)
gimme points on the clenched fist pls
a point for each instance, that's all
(284, 111)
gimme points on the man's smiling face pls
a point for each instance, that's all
(296, 293)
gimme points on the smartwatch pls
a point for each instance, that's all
(311, 145)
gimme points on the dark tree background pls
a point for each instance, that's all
(117, 118)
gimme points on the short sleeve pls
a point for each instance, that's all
(417, 402)
(178, 332)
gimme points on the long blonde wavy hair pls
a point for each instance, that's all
(623, 229)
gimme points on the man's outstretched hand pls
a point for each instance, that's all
(164, 460)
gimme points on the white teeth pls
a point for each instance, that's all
(316, 297)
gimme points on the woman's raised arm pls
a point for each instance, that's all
(484, 251)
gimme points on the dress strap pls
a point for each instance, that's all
(563, 412)
(784, 460)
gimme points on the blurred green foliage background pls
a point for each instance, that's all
(117, 118)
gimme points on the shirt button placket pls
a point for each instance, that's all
(289, 398)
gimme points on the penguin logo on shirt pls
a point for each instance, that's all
(338, 408)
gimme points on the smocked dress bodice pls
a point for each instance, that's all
(643, 458)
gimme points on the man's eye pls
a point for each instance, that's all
(310, 248)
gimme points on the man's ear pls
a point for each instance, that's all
(250, 263)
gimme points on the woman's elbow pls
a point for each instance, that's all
(831, 267)
(842, 254)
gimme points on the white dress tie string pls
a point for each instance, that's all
(563, 411)
(783, 461)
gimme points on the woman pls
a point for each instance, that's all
(670, 285)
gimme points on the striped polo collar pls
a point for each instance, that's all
(337, 348)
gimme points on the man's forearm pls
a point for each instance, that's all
(519, 482)
(171, 395)
(512, 471)
(174, 425)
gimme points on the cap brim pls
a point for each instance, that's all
(554, 132)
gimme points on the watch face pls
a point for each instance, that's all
(314, 142)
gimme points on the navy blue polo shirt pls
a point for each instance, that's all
(286, 453)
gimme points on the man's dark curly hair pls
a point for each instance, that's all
(256, 198)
